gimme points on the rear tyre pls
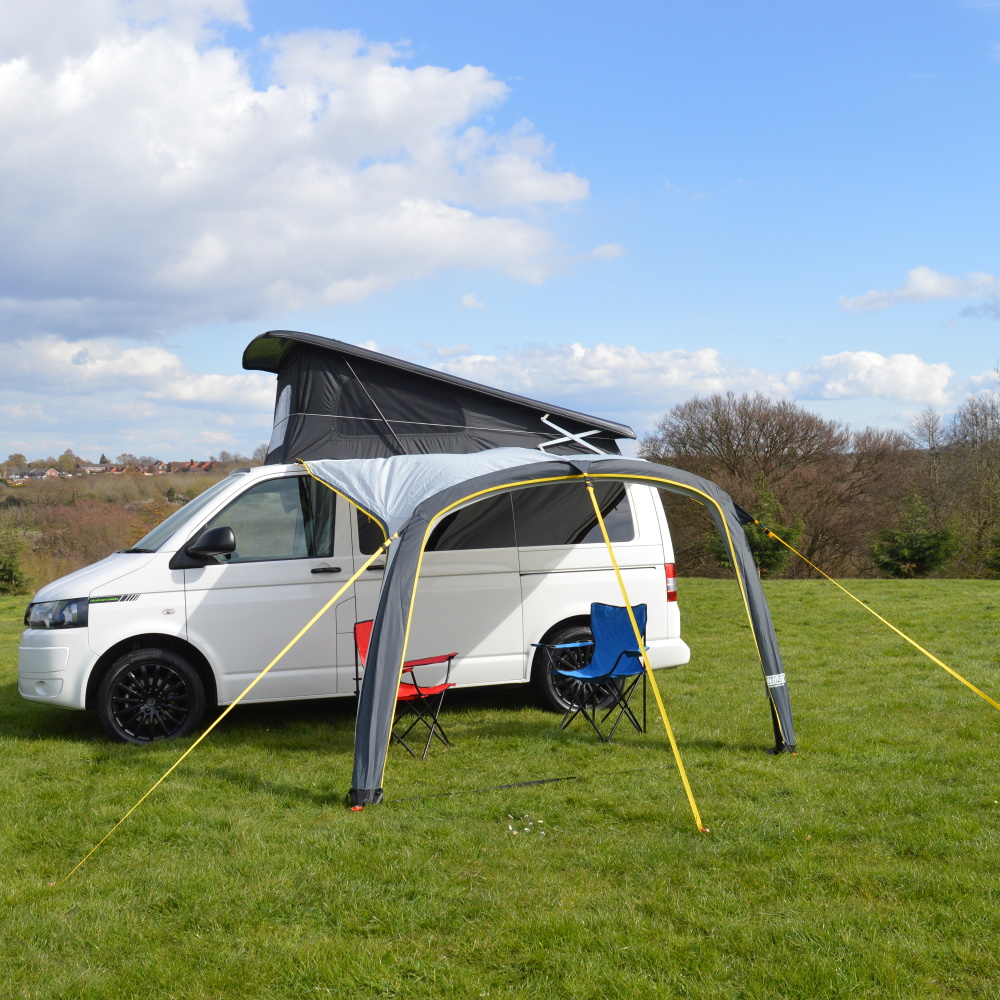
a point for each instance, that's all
(150, 694)
(553, 690)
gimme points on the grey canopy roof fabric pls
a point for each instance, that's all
(337, 401)
(409, 494)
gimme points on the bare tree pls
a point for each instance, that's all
(971, 472)
(817, 471)
(747, 435)
(928, 434)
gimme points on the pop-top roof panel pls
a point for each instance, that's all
(267, 352)
(339, 401)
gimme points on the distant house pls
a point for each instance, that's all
(191, 466)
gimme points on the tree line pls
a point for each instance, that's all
(68, 461)
(854, 502)
(49, 528)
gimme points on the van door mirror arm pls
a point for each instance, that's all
(201, 550)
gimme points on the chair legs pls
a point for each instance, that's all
(621, 703)
(426, 711)
(624, 706)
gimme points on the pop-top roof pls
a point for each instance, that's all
(337, 400)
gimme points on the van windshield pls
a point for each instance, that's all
(178, 519)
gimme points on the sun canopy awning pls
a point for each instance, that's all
(409, 494)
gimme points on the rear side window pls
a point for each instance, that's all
(487, 524)
(539, 515)
(564, 515)
(281, 519)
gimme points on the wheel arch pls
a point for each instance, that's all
(153, 640)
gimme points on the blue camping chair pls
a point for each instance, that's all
(606, 684)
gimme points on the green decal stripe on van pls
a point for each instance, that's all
(113, 600)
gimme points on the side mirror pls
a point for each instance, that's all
(213, 542)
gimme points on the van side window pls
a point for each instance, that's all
(281, 519)
(563, 514)
(486, 524)
(370, 534)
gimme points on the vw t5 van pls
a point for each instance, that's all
(152, 636)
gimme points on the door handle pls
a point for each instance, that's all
(325, 569)
(371, 569)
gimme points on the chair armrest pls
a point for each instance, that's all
(560, 645)
(428, 660)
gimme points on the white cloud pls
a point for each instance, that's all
(608, 372)
(105, 395)
(986, 381)
(632, 383)
(448, 350)
(857, 374)
(608, 251)
(146, 181)
(926, 285)
(472, 301)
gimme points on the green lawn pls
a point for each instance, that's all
(867, 866)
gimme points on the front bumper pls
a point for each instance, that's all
(53, 665)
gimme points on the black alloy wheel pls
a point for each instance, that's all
(150, 694)
(555, 691)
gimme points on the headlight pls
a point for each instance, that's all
(58, 614)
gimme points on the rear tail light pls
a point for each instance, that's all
(671, 572)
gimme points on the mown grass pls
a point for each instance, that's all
(867, 866)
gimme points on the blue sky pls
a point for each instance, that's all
(608, 206)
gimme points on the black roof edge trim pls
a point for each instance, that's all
(269, 360)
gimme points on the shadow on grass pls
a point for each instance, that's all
(290, 794)
(20, 719)
(500, 697)
(28, 720)
(327, 724)
(284, 716)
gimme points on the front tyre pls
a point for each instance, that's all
(150, 694)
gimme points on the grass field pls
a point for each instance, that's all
(867, 866)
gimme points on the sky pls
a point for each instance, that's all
(607, 206)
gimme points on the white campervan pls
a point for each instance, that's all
(152, 635)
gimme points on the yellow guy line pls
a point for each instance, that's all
(312, 621)
(916, 645)
(646, 664)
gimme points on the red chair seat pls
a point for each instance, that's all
(424, 701)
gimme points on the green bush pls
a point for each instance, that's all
(12, 578)
(913, 548)
(769, 554)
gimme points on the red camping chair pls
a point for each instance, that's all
(421, 701)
